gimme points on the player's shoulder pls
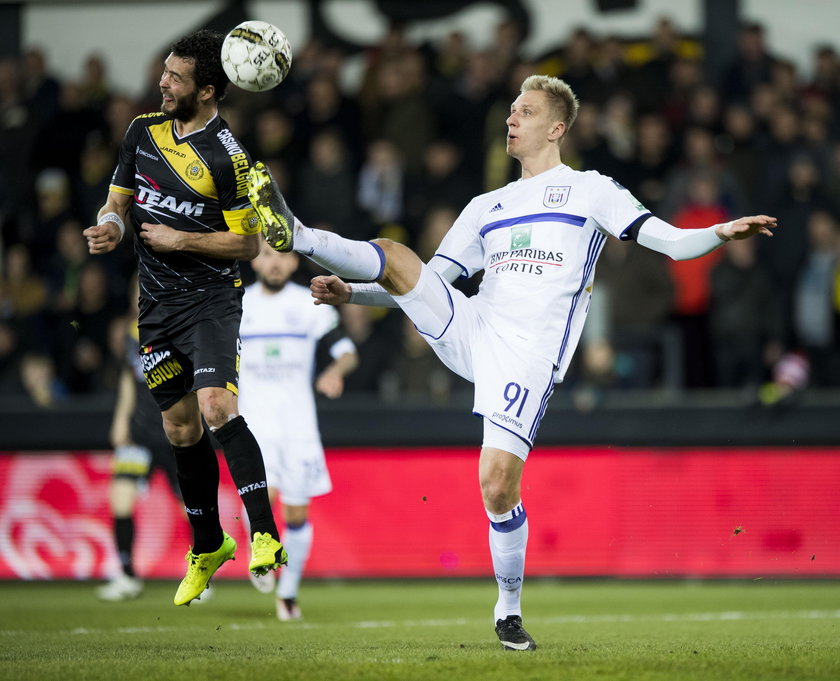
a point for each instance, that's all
(147, 119)
(219, 130)
(590, 176)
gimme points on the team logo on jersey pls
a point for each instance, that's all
(250, 224)
(195, 169)
(520, 237)
(556, 196)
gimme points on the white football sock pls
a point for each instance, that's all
(349, 259)
(508, 541)
(298, 542)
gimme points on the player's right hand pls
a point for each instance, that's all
(329, 290)
(102, 238)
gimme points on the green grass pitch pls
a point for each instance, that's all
(427, 630)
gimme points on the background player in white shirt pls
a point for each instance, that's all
(537, 240)
(281, 331)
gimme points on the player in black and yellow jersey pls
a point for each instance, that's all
(180, 184)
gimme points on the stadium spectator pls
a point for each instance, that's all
(537, 241)
(326, 185)
(82, 333)
(381, 184)
(647, 171)
(282, 333)
(816, 311)
(692, 279)
(742, 342)
(753, 65)
(635, 286)
(41, 89)
(191, 302)
(53, 208)
(801, 196)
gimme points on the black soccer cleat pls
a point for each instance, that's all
(512, 635)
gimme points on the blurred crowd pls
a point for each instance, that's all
(402, 152)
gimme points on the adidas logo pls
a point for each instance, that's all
(498, 206)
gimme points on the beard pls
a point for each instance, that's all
(184, 108)
(275, 286)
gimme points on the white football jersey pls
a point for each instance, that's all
(537, 240)
(279, 335)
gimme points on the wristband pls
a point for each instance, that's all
(113, 217)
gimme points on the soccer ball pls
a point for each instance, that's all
(256, 56)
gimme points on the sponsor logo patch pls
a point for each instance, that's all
(520, 237)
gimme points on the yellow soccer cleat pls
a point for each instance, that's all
(200, 568)
(266, 554)
(276, 219)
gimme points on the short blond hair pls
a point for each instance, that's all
(563, 102)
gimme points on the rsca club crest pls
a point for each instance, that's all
(556, 196)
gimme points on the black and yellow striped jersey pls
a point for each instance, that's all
(195, 183)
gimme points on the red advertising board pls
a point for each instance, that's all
(418, 513)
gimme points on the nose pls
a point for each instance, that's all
(511, 120)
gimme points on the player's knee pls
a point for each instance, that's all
(402, 267)
(217, 406)
(182, 433)
(498, 495)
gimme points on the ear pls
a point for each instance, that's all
(557, 130)
(207, 93)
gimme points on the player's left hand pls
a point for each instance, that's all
(330, 384)
(744, 228)
(160, 238)
(329, 290)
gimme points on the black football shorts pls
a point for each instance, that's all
(191, 342)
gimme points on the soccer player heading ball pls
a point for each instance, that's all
(180, 186)
(537, 241)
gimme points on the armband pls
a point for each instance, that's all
(113, 217)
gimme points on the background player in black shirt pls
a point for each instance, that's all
(181, 184)
(140, 447)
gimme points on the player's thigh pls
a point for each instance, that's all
(213, 343)
(445, 318)
(299, 470)
(512, 387)
(167, 370)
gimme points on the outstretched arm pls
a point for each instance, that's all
(684, 244)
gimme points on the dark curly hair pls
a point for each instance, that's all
(204, 49)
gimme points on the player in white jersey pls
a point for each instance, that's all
(281, 331)
(537, 241)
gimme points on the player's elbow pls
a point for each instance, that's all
(250, 248)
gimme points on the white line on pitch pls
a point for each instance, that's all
(729, 616)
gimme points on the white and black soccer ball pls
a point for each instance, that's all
(256, 56)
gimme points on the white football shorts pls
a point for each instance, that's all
(512, 386)
(295, 467)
